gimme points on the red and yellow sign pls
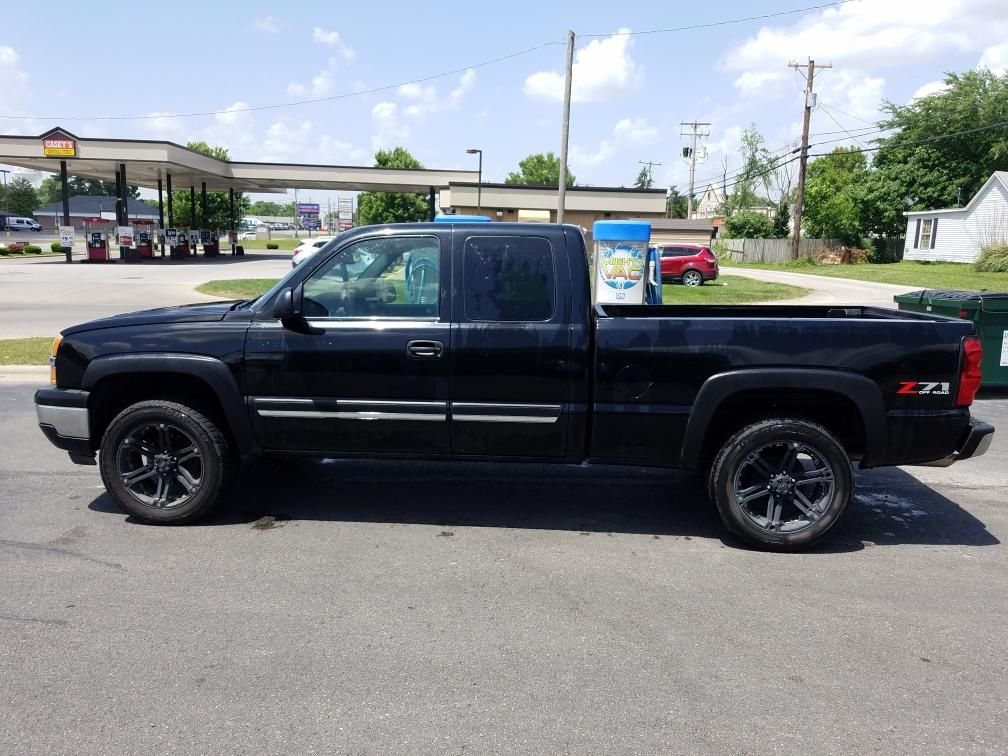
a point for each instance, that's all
(57, 147)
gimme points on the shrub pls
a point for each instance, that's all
(272, 245)
(15, 248)
(747, 224)
(4, 251)
(56, 247)
(31, 249)
(992, 259)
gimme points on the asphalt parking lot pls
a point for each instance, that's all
(367, 607)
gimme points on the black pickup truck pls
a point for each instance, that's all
(480, 342)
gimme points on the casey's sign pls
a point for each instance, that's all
(59, 147)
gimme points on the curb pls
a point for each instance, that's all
(24, 374)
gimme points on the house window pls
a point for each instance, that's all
(925, 234)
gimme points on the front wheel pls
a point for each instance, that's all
(781, 484)
(692, 278)
(165, 463)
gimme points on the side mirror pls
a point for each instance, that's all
(287, 309)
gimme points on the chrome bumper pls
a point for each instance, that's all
(64, 419)
(975, 441)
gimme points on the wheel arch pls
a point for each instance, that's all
(116, 381)
(847, 404)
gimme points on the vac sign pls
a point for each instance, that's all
(621, 265)
(59, 147)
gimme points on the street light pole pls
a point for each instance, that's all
(479, 180)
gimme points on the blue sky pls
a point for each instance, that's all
(630, 92)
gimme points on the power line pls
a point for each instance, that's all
(938, 138)
(725, 22)
(827, 111)
(293, 103)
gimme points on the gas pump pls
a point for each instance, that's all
(211, 243)
(96, 239)
(621, 261)
(194, 239)
(144, 241)
(178, 239)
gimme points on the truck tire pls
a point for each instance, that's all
(781, 484)
(165, 463)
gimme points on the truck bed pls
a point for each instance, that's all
(650, 363)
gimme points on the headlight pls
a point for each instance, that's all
(52, 360)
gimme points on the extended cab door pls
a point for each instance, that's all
(373, 375)
(511, 348)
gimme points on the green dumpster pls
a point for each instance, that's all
(987, 310)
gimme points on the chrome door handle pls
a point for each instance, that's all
(424, 349)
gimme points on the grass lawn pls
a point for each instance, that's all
(236, 288)
(33, 351)
(730, 290)
(283, 244)
(726, 290)
(909, 273)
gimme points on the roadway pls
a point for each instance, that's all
(825, 290)
(361, 607)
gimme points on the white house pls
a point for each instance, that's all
(709, 203)
(958, 234)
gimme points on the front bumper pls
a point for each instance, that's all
(974, 442)
(64, 419)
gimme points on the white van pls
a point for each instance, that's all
(22, 224)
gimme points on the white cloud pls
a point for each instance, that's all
(300, 142)
(321, 86)
(852, 91)
(425, 100)
(602, 70)
(751, 81)
(995, 58)
(866, 35)
(389, 130)
(333, 39)
(162, 125)
(627, 133)
(14, 92)
(266, 24)
(235, 115)
(932, 87)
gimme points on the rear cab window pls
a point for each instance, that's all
(509, 279)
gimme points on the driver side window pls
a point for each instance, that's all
(389, 277)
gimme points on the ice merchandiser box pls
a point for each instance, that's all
(620, 261)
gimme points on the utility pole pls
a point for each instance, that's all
(803, 159)
(650, 173)
(565, 129)
(694, 133)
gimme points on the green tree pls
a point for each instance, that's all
(676, 204)
(782, 218)
(746, 224)
(51, 191)
(834, 194)
(218, 203)
(933, 171)
(644, 178)
(269, 207)
(755, 178)
(539, 169)
(21, 197)
(392, 207)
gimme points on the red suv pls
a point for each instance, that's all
(689, 264)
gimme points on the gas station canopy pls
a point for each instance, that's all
(147, 162)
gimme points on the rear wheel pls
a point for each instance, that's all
(692, 278)
(781, 484)
(165, 463)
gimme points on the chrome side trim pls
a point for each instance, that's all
(68, 422)
(372, 324)
(364, 415)
(495, 412)
(351, 409)
(503, 419)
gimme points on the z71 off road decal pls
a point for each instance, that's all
(915, 388)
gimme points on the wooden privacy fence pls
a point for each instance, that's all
(770, 250)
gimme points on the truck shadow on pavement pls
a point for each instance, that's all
(891, 507)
